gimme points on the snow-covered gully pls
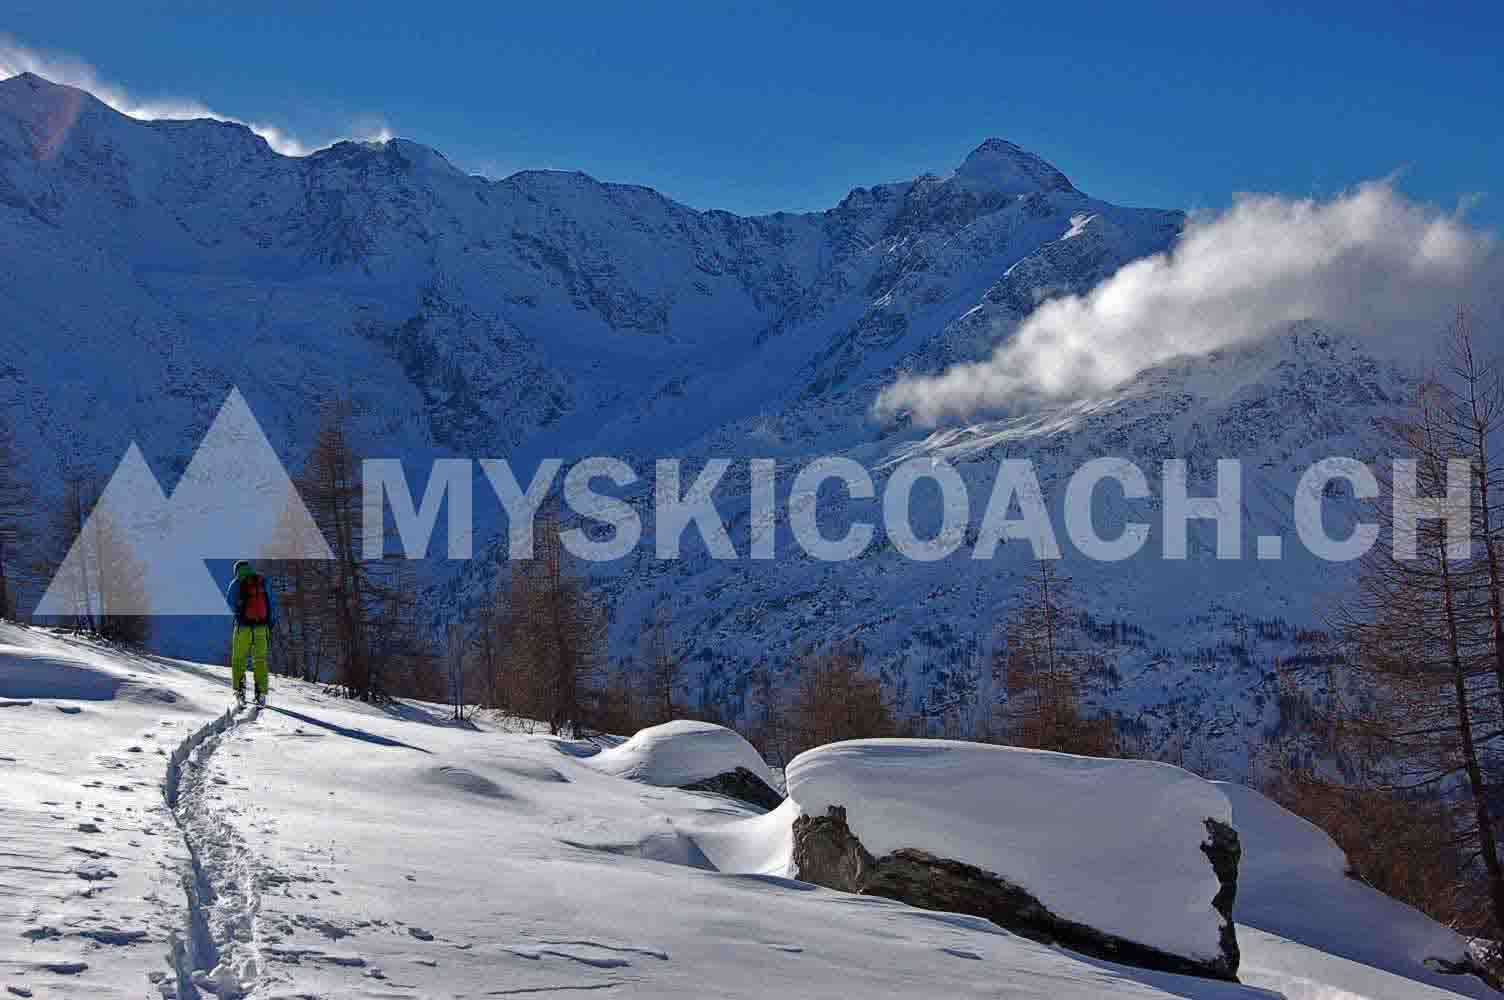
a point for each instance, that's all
(216, 951)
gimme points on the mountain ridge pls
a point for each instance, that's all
(552, 315)
(1003, 161)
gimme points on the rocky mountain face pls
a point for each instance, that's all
(148, 267)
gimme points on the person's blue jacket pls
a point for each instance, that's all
(233, 596)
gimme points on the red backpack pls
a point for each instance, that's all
(253, 609)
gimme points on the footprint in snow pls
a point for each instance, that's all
(114, 936)
(962, 953)
(95, 872)
(662, 956)
(596, 962)
(328, 929)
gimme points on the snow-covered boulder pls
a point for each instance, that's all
(1132, 861)
(699, 756)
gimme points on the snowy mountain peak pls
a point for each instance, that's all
(27, 94)
(37, 116)
(400, 155)
(998, 166)
(29, 81)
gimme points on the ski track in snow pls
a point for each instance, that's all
(218, 950)
(371, 877)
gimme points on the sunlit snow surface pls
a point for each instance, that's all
(681, 753)
(349, 851)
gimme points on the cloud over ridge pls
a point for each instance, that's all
(16, 59)
(1369, 261)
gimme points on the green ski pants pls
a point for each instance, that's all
(249, 643)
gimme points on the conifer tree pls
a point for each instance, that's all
(1045, 670)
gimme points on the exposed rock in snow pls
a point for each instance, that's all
(826, 853)
(1050, 841)
(1224, 850)
(699, 756)
(739, 784)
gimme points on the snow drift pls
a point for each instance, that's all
(682, 753)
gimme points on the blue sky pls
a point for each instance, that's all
(761, 107)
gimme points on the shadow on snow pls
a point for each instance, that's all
(354, 734)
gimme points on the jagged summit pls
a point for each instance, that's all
(996, 167)
(1001, 167)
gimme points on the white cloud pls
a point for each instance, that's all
(65, 69)
(1370, 261)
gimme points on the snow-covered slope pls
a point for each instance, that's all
(546, 313)
(1293, 886)
(91, 860)
(331, 849)
(1187, 648)
(323, 848)
(1298, 972)
(148, 267)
